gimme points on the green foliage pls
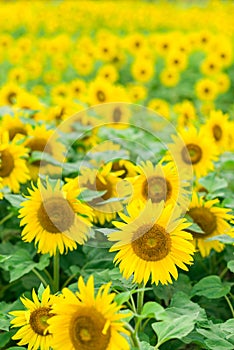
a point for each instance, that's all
(212, 287)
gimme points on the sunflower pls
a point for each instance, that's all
(18, 75)
(223, 82)
(186, 113)
(84, 321)
(212, 220)
(217, 127)
(135, 42)
(13, 125)
(206, 89)
(102, 179)
(54, 218)
(28, 101)
(176, 59)
(137, 93)
(197, 149)
(157, 183)
(164, 43)
(78, 88)
(33, 321)
(13, 168)
(83, 64)
(108, 72)
(46, 141)
(160, 106)
(169, 77)
(211, 65)
(99, 91)
(153, 246)
(124, 167)
(116, 114)
(142, 70)
(9, 94)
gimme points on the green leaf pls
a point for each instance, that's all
(211, 287)
(40, 291)
(218, 336)
(151, 308)
(226, 239)
(4, 258)
(212, 182)
(5, 337)
(20, 263)
(146, 346)
(230, 265)
(88, 195)
(4, 322)
(176, 327)
(44, 261)
(121, 298)
(179, 319)
(15, 199)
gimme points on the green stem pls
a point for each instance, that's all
(140, 299)
(40, 277)
(49, 276)
(6, 218)
(69, 280)
(56, 271)
(140, 303)
(134, 337)
(223, 273)
(230, 305)
(133, 304)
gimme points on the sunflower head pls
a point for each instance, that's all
(54, 218)
(86, 321)
(212, 220)
(33, 321)
(151, 243)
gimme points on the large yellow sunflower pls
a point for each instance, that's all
(83, 321)
(13, 168)
(33, 321)
(44, 140)
(160, 182)
(212, 220)
(153, 246)
(54, 218)
(198, 149)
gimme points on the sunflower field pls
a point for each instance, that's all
(116, 175)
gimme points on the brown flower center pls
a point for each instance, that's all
(56, 215)
(7, 163)
(39, 144)
(217, 132)
(16, 130)
(11, 97)
(191, 154)
(117, 167)
(151, 243)
(117, 113)
(86, 330)
(157, 189)
(205, 219)
(101, 96)
(38, 320)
